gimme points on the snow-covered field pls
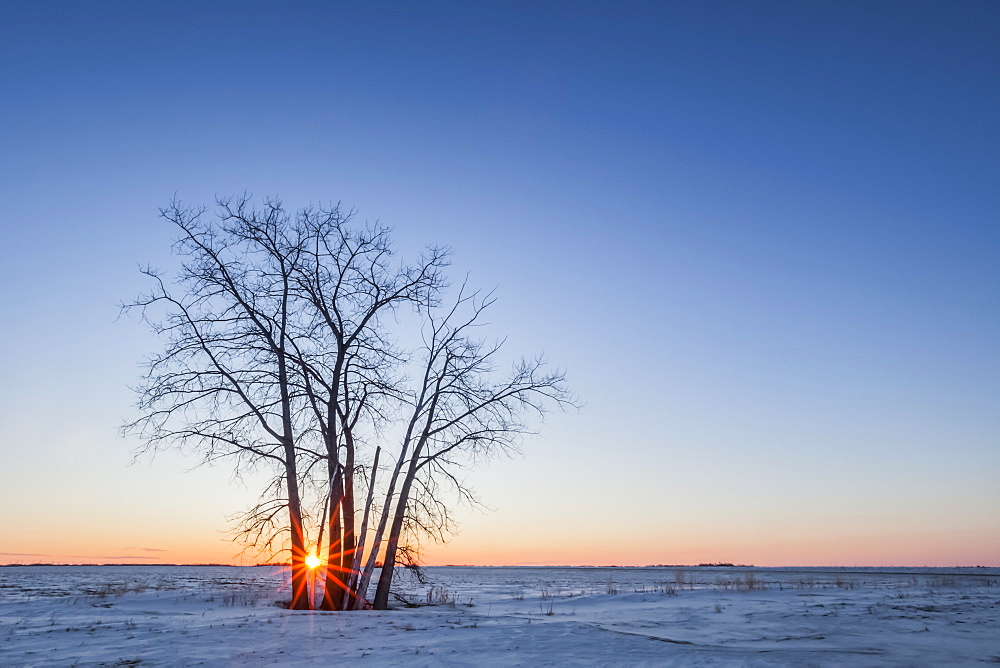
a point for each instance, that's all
(190, 615)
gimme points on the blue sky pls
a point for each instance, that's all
(762, 238)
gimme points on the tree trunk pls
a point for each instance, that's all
(389, 560)
(357, 584)
(301, 599)
(300, 572)
(392, 545)
(300, 575)
(349, 540)
(333, 584)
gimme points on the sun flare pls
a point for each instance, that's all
(312, 561)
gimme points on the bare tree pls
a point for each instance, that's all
(281, 351)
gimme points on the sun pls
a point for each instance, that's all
(312, 561)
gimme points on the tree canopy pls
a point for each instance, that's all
(297, 343)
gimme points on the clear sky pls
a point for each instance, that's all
(763, 238)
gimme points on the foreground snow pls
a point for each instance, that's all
(158, 615)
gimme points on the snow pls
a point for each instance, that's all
(191, 615)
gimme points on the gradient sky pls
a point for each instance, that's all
(763, 238)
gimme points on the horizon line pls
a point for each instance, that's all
(553, 565)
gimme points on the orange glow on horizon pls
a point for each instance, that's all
(804, 546)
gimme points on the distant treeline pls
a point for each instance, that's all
(718, 564)
(122, 564)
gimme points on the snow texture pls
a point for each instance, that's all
(194, 615)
